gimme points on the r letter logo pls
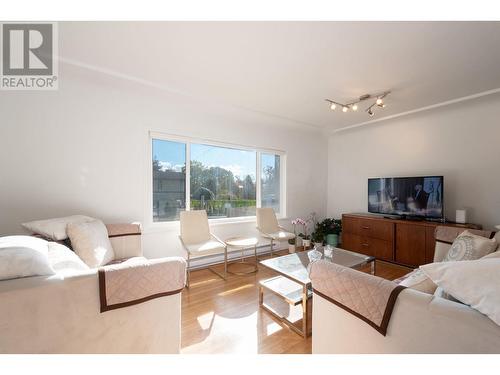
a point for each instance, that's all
(29, 60)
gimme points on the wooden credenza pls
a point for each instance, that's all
(405, 242)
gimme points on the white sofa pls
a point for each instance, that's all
(420, 323)
(61, 314)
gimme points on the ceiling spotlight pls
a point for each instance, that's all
(376, 100)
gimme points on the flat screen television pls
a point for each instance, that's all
(412, 197)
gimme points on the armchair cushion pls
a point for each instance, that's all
(280, 235)
(210, 247)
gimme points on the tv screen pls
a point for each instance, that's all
(409, 196)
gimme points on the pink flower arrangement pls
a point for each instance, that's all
(299, 221)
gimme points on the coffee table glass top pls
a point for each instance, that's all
(294, 266)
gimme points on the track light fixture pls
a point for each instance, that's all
(353, 105)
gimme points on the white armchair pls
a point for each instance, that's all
(268, 227)
(198, 241)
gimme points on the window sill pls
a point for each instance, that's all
(175, 225)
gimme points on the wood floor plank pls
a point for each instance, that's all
(224, 317)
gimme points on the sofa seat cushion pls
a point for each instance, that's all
(475, 283)
(210, 247)
(63, 260)
(23, 256)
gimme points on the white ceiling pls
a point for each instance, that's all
(287, 69)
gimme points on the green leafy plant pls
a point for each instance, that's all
(304, 236)
(325, 227)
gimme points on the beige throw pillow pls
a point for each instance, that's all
(468, 246)
(91, 243)
(475, 283)
(55, 229)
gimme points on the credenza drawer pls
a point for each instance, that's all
(368, 228)
(380, 249)
(376, 229)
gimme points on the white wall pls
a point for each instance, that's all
(83, 149)
(461, 142)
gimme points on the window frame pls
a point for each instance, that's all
(151, 224)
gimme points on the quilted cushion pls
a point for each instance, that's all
(368, 297)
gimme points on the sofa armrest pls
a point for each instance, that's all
(137, 280)
(125, 239)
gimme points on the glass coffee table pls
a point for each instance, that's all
(293, 284)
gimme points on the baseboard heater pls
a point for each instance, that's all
(211, 260)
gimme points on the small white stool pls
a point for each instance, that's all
(243, 243)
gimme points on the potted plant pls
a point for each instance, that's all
(333, 232)
(291, 245)
(328, 230)
(317, 239)
(298, 238)
(306, 238)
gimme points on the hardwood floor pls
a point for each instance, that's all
(224, 317)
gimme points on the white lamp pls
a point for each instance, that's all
(461, 216)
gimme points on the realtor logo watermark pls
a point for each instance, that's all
(29, 56)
